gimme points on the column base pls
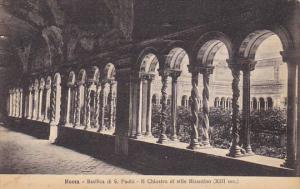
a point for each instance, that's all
(236, 151)
(53, 136)
(194, 144)
(287, 164)
(248, 151)
(174, 138)
(138, 136)
(162, 139)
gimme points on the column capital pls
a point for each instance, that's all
(164, 72)
(206, 69)
(175, 74)
(147, 76)
(247, 64)
(291, 56)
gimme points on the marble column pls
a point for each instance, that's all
(40, 117)
(88, 106)
(102, 127)
(235, 149)
(35, 103)
(206, 71)
(17, 103)
(194, 104)
(247, 67)
(138, 133)
(68, 106)
(10, 103)
(97, 114)
(149, 107)
(21, 103)
(163, 125)
(111, 104)
(291, 59)
(174, 75)
(30, 104)
(78, 104)
(48, 92)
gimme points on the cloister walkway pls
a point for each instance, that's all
(24, 154)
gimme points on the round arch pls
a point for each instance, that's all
(253, 40)
(208, 45)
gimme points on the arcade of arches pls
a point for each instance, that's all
(72, 77)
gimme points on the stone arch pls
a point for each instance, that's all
(251, 43)
(109, 72)
(255, 105)
(81, 76)
(270, 102)
(208, 45)
(147, 60)
(93, 75)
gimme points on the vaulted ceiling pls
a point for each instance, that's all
(76, 27)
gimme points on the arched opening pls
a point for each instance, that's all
(255, 105)
(261, 104)
(270, 103)
(108, 99)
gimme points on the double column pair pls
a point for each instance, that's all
(100, 106)
(240, 145)
(145, 112)
(206, 71)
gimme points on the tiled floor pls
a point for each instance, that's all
(23, 154)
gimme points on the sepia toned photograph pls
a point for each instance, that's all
(135, 88)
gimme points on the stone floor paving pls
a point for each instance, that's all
(24, 154)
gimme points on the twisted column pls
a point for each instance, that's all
(97, 113)
(53, 105)
(195, 105)
(235, 150)
(164, 78)
(78, 108)
(48, 94)
(111, 104)
(102, 127)
(206, 71)
(88, 106)
(174, 75)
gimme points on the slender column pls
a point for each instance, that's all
(21, 103)
(164, 78)
(235, 150)
(53, 105)
(68, 106)
(111, 103)
(88, 106)
(291, 110)
(298, 124)
(98, 92)
(17, 103)
(10, 103)
(194, 104)
(35, 104)
(40, 118)
(138, 133)
(30, 104)
(247, 66)
(206, 71)
(102, 127)
(174, 75)
(48, 92)
(78, 104)
(149, 106)
(13, 103)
